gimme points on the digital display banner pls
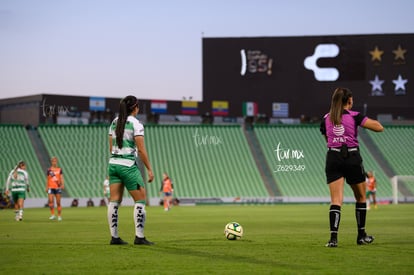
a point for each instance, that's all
(295, 76)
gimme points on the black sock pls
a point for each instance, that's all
(334, 219)
(360, 215)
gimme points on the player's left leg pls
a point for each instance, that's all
(16, 196)
(374, 200)
(361, 213)
(59, 206)
(20, 202)
(140, 214)
(134, 183)
(16, 210)
(51, 202)
(336, 188)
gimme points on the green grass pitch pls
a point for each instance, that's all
(278, 239)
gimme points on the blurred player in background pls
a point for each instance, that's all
(54, 186)
(371, 189)
(18, 180)
(343, 161)
(167, 188)
(126, 135)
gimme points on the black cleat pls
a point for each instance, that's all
(143, 241)
(332, 243)
(117, 241)
(361, 240)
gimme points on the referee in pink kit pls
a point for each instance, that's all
(344, 162)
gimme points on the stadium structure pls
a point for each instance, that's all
(254, 138)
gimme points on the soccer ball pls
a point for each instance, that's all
(233, 231)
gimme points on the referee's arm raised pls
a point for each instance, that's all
(373, 125)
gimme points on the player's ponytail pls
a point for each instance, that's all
(339, 99)
(126, 106)
(19, 165)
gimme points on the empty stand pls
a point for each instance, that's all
(16, 146)
(311, 182)
(203, 161)
(83, 154)
(397, 147)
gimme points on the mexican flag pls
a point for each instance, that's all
(250, 109)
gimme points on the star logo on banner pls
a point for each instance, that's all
(376, 54)
(399, 53)
(377, 86)
(400, 85)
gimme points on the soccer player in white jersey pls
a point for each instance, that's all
(18, 180)
(126, 136)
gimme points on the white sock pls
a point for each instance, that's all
(21, 213)
(113, 218)
(139, 219)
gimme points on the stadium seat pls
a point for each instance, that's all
(203, 161)
(307, 138)
(16, 146)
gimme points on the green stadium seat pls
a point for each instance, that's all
(204, 161)
(16, 146)
(311, 182)
(397, 147)
(83, 154)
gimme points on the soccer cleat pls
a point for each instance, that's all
(361, 240)
(117, 241)
(53, 217)
(60, 218)
(143, 241)
(332, 243)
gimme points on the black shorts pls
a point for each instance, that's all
(349, 167)
(54, 191)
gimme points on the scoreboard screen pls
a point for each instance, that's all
(296, 76)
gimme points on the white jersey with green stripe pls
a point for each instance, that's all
(126, 155)
(18, 180)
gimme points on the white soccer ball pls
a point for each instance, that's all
(233, 231)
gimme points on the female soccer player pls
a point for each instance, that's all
(126, 135)
(167, 188)
(19, 181)
(54, 186)
(343, 161)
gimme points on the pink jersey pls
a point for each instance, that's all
(345, 133)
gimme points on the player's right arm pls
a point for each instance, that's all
(8, 183)
(27, 182)
(110, 144)
(373, 125)
(142, 152)
(62, 182)
(47, 181)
